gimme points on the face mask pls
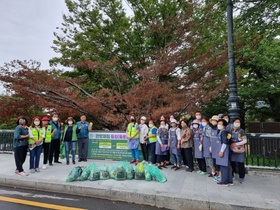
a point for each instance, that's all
(204, 124)
(70, 122)
(198, 117)
(173, 124)
(162, 126)
(55, 119)
(214, 123)
(36, 122)
(151, 125)
(220, 127)
(22, 121)
(226, 120)
(132, 120)
(237, 125)
(195, 126)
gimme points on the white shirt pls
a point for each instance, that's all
(178, 132)
(143, 132)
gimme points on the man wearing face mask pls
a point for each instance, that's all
(20, 145)
(55, 143)
(198, 117)
(239, 139)
(133, 135)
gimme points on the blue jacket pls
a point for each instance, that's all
(57, 133)
(83, 132)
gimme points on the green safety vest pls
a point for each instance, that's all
(37, 134)
(48, 134)
(152, 139)
(132, 130)
(74, 133)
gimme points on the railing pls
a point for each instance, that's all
(262, 149)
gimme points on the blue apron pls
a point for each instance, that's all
(236, 157)
(174, 143)
(215, 143)
(163, 135)
(206, 143)
(133, 143)
(196, 141)
(223, 161)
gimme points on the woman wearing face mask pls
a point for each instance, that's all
(35, 141)
(174, 143)
(70, 139)
(227, 119)
(133, 135)
(151, 139)
(20, 145)
(161, 145)
(187, 145)
(238, 139)
(198, 154)
(215, 144)
(223, 159)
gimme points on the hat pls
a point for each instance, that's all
(143, 118)
(45, 119)
(173, 121)
(195, 122)
(220, 115)
(214, 117)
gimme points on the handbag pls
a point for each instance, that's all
(164, 148)
(237, 148)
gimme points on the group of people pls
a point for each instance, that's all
(215, 143)
(47, 135)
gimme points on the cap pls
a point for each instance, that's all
(173, 121)
(45, 119)
(214, 117)
(195, 122)
(143, 118)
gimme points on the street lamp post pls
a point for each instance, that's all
(233, 100)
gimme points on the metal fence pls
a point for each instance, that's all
(262, 149)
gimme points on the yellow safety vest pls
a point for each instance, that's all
(152, 139)
(48, 137)
(131, 130)
(37, 134)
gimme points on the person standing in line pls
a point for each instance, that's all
(47, 140)
(238, 139)
(174, 143)
(198, 154)
(223, 159)
(133, 135)
(187, 145)
(20, 145)
(83, 135)
(70, 139)
(151, 139)
(35, 141)
(55, 143)
(161, 145)
(143, 133)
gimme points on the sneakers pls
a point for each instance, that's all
(217, 178)
(44, 166)
(74, 162)
(67, 163)
(241, 180)
(199, 171)
(50, 164)
(16, 171)
(136, 162)
(132, 161)
(189, 170)
(202, 173)
(57, 162)
(23, 173)
(37, 169)
(230, 184)
(32, 170)
(222, 184)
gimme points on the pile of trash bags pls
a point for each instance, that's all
(120, 172)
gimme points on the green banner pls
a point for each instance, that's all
(108, 145)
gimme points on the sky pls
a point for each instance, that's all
(26, 29)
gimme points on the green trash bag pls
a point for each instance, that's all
(94, 173)
(104, 172)
(156, 173)
(148, 176)
(74, 174)
(140, 172)
(85, 174)
(113, 172)
(120, 173)
(62, 151)
(130, 173)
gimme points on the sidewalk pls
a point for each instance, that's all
(181, 191)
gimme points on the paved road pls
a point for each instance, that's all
(14, 199)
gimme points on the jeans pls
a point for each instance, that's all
(83, 148)
(176, 159)
(226, 174)
(70, 145)
(35, 157)
(20, 156)
(135, 153)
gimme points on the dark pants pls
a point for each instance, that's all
(226, 174)
(161, 158)
(83, 148)
(145, 153)
(152, 148)
(20, 156)
(46, 148)
(241, 169)
(201, 164)
(188, 157)
(54, 150)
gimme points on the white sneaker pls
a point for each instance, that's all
(23, 173)
(44, 166)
